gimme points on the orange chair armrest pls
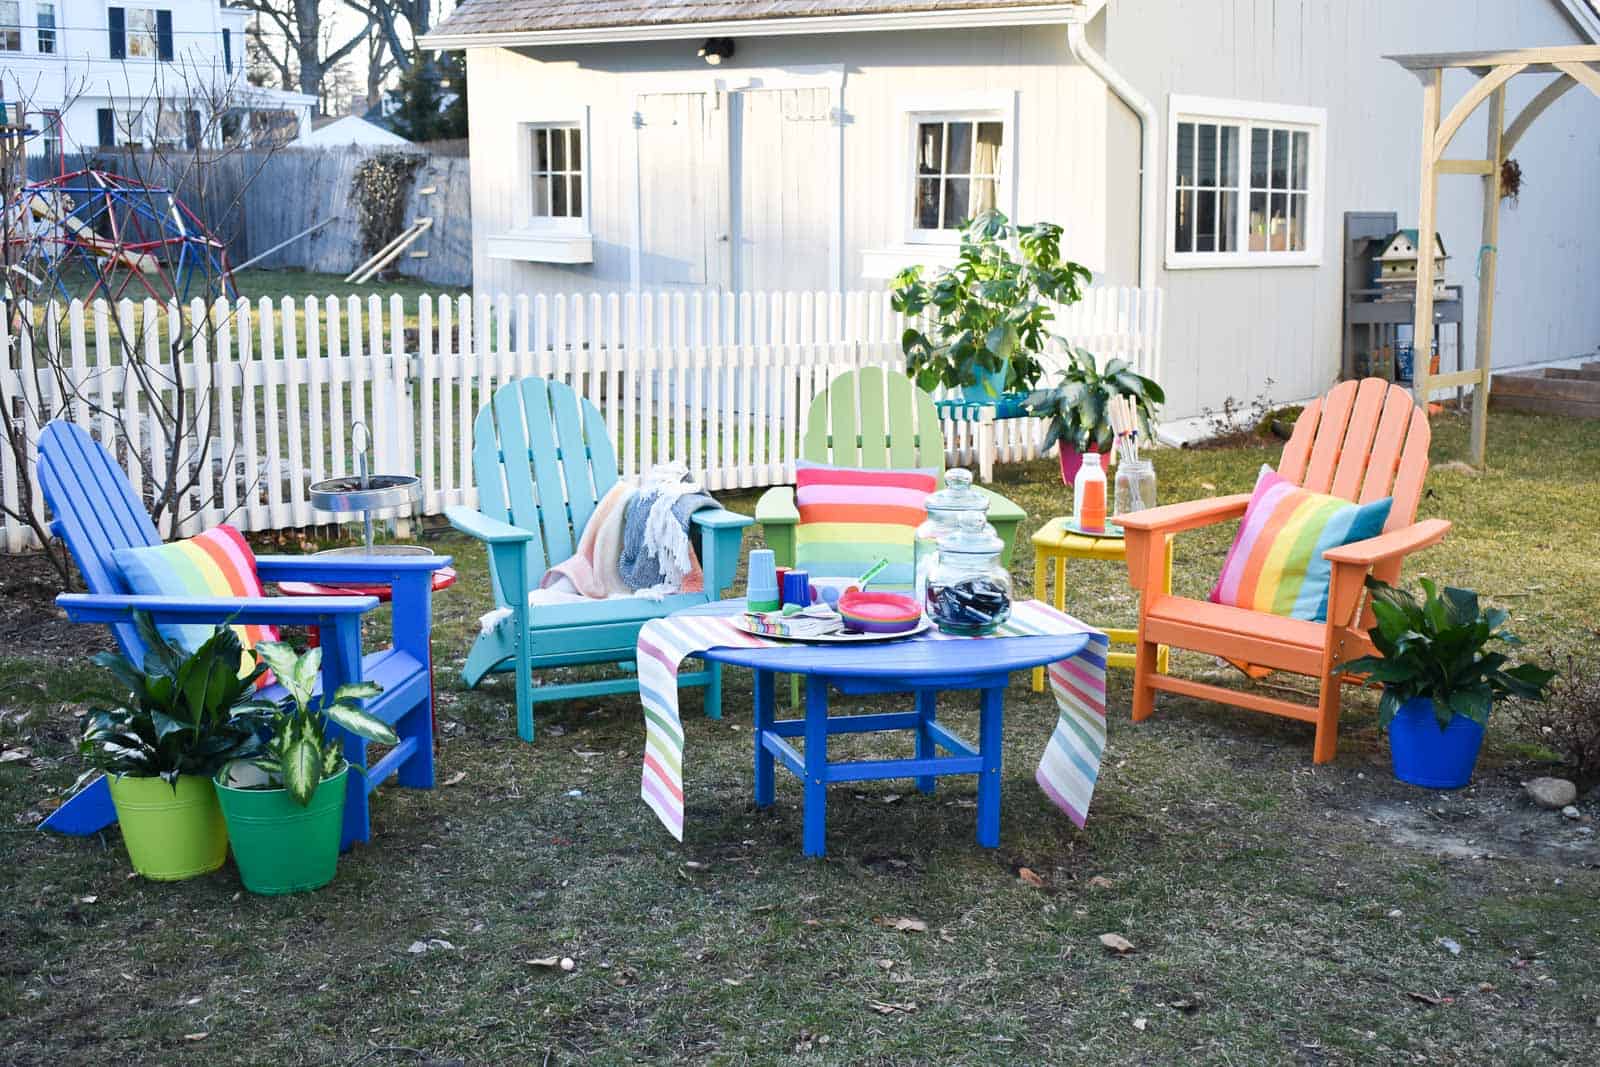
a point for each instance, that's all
(1395, 543)
(1189, 515)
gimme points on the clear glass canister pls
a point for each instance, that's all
(969, 589)
(1136, 486)
(958, 497)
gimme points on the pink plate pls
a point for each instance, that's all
(880, 613)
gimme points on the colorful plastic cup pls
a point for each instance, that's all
(761, 591)
(797, 588)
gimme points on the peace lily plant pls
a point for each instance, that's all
(285, 806)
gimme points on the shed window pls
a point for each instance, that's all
(1245, 184)
(557, 171)
(10, 26)
(956, 170)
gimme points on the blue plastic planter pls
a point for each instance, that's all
(1425, 755)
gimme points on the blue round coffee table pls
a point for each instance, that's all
(919, 665)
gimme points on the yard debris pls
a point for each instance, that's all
(456, 778)
(887, 1008)
(1027, 874)
(201, 1036)
(1396, 913)
(419, 947)
(1100, 881)
(1450, 945)
(903, 923)
(1433, 1000)
(565, 963)
(1116, 943)
(887, 965)
(1140, 1023)
(88, 900)
(16, 755)
(1571, 811)
(1188, 1005)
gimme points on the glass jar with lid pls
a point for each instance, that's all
(958, 497)
(969, 589)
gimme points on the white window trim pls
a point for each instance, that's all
(986, 106)
(1314, 120)
(540, 239)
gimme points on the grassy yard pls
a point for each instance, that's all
(1281, 912)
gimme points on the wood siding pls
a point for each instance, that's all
(1228, 330)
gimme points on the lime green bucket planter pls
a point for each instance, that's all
(279, 846)
(171, 834)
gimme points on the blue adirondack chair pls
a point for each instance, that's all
(543, 458)
(94, 510)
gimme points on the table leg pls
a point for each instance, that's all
(1041, 561)
(816, 785)
(927, 710)
(766, 684)
(989, 745)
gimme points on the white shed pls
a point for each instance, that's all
(1207, 149)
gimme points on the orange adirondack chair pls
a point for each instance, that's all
(1363, 441)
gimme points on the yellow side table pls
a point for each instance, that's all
(1054, 543)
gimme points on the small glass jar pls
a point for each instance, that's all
(958, 497)
(1136, 486)
(969, 589)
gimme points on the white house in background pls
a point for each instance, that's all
(1209, 149)
(349, 130)
(92, 74)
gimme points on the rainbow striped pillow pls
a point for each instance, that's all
(1276, 564)
(851, 518)
(214, 564)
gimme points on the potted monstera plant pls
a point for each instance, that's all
(186, 716)
(285, 805)
(980, 324)
(1078, 408)
(1441, 678)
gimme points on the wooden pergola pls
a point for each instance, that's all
(1571, 65)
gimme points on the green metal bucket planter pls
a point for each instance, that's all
(279, 846)
(171, 834)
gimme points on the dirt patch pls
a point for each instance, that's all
(30, 623)
(1488, 820)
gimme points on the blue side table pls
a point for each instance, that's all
(919, 665)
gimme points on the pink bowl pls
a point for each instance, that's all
(879, 613)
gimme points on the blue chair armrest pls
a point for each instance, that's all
(476, 524)
(721, 519)
(276, 611)
(336, 569)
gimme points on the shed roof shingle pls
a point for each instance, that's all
(524, 16)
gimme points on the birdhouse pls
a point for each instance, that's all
(1397, 265)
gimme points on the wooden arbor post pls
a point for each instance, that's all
(1573, 65)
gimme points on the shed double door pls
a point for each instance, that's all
(734, 189)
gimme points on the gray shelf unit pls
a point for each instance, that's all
(1372, 326)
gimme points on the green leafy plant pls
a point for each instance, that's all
(1079, 409)
(1437, 648)
(989, 307)
(300, 755)
(187, 713)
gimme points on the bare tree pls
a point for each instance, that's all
(301, 23)
(380, 63)
(389, 16)
(162, 351)
(269, 58)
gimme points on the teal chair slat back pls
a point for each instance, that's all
(543, 458)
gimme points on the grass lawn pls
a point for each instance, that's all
(1281, 912)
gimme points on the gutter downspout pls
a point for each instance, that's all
(1078, 45)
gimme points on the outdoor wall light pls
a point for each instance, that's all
(716, 49)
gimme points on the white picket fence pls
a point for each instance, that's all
(720, 382)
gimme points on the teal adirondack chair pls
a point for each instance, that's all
(875, 420)
(543, 459)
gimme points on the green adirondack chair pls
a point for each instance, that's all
(875, 420)
(543, 458)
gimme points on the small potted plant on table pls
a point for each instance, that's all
(1079, 408)
(1439, 679)
(285, 806)
(989, 311)
(186, 717)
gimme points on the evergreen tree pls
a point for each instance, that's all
(432, 98)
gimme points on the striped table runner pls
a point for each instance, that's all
(1067, 770)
